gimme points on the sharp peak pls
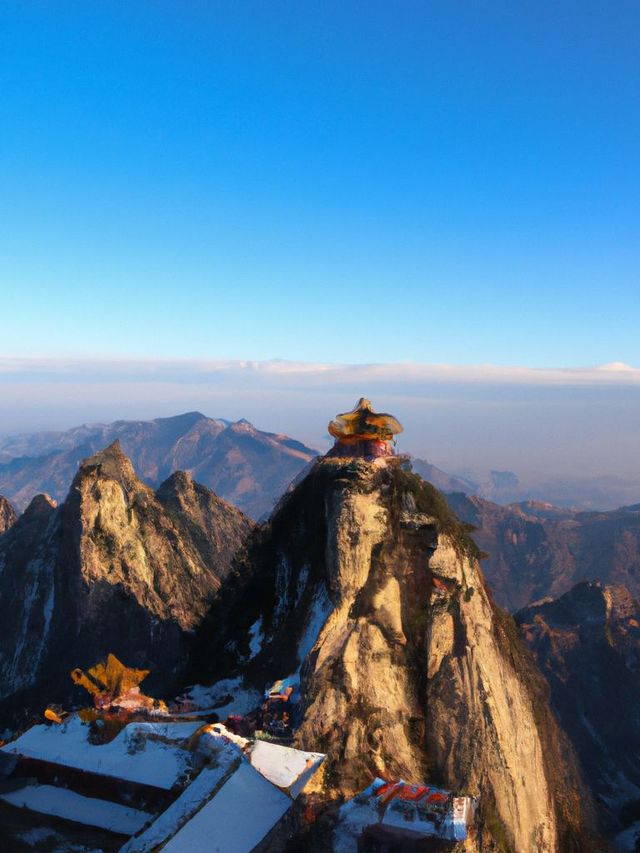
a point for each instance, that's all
(42, 504)
(112, 462)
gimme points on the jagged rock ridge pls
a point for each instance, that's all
(370, 587)
(116, 568)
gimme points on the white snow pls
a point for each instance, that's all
(191, 799)
(17, 674)
(320, 608)
(244, 699)
(59, 802)
(256, 638)
(283, 578)
(131, 755)
(285, 767)
(236, 819)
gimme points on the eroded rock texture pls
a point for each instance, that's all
(587, 643)
(116, 568)
(7, 515)
(371, 587)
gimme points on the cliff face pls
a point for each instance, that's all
(535, 549)
(242, 464)
(371, 589)
(587, 643)
(116, 568)
(7, 515)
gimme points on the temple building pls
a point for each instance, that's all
(363, 432)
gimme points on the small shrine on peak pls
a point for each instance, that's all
(363, 432)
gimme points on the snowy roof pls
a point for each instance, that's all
(60, 802)
(155, 762)
(243, 811)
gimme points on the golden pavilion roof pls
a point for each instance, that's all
(363, 423)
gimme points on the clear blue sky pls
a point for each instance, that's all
(335, 181)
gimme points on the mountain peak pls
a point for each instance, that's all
(111, 463)
(40, 507)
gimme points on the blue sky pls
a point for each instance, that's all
(331, 182)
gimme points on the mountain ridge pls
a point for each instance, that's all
(249, 467)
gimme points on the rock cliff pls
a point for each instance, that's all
(369, 587)
(116, 568)
(7, 515)
(587, 643)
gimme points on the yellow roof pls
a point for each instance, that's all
(363, 422)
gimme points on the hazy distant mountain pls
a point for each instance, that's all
(441, 480)
(240, 463)
(536, 549)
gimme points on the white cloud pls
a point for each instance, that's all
(284, 372)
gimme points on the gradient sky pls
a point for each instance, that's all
(336, 181)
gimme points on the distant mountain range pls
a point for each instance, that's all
(242, 464)
(536, 549)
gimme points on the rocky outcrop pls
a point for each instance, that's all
(7, 515)
(534, 549)
(371, 589)
(242, 464)
(116, 568)
(587, 643)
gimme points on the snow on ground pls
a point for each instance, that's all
(236, 819)
(256, 638)
(59, 802)
(320, 608)
(191, 799)
(244, 699)
(131, 756)
(285, 767)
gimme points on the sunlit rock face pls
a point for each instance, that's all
(116, 568)
(369, 587)
(7, 515)
(587, 643)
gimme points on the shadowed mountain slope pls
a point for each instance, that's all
(587, 643)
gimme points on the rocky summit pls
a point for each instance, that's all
(115, 568)
(366, 592)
